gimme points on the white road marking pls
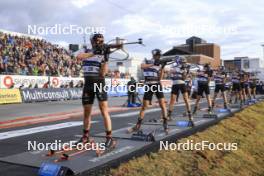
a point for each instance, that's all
(127, 114)
(23, 132)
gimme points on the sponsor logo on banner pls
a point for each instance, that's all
(8, 81)
(19, 80)
(31, 95)
(116, 82)
(55, 82)
(75, 93)
(10, 96)
(58, 81)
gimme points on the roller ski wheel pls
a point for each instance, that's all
(135, 128)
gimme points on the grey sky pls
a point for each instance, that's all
(237, 26)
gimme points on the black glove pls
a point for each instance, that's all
(157, 62)
(101, 50)
(98, 50)
(106, 53)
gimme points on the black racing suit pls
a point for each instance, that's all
(178, 76)
(242, 80)
(252, 83)
(236, 82)
(94, 83)
(203, 81)
(219, 78)
(152, 81)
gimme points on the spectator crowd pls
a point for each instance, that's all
(36, 57)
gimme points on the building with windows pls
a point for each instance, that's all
(128, 68)
(199, 50)
(247, 64)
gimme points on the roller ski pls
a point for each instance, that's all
(66, 148)
(56, 152)
(135, 128)
(74, 151)
(210, 114)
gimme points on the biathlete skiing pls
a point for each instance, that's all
(153, 72)
(204, 77)
(236, 88)
(220, 78)
(253, 84)
(243, 78)
(95, 63)
(247, 86)
(180, 80)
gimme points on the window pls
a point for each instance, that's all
(246, 64)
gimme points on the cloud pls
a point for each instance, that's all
(81, 3)
(235, 25)
(172, 21)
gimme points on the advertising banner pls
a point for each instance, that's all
(52, 94)
(10, 96)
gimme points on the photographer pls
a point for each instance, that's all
(131, 91)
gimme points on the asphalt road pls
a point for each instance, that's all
(18, 144)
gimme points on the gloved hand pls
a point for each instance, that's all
(98, 50)
(157, 62)
(106, 53)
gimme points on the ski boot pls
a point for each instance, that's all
(194, 110)
(166, 126)
(84, 139)
(136, 127)
(169, 115)
(190, 123)
(213, 105)
(210, 111)
(110, 144)
(225, 106)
